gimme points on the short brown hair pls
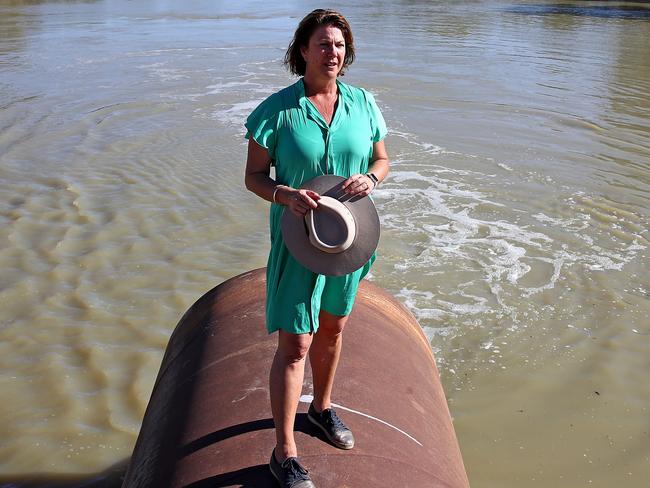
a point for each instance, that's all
(293, 58)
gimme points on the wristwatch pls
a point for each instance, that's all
(375, 180)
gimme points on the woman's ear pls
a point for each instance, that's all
(303, 52)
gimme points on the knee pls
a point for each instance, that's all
(331, 325)
(295, 349)
(295, 354)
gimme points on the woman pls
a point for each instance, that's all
(316, 126)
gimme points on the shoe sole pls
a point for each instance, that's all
(334, 443)
(275, 475)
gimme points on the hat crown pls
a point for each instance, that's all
(331, 226)
(332, 230)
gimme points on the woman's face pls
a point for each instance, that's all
(325, 52)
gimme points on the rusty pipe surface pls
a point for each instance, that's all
(208, 422)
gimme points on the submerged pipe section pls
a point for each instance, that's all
(208, 422)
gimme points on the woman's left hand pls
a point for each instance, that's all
(358, 185)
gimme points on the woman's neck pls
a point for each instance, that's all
(315, 86)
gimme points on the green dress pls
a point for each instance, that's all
(302, 146)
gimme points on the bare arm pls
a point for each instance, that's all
(361, 184)
(258, 180)
(379, 165)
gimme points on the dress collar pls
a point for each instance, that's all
(312, 112)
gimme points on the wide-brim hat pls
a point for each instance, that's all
(336, 238)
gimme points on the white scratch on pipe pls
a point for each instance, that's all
(310, 398)
(248, 392)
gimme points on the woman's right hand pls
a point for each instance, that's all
(299, 201)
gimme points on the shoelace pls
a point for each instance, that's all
(295, 470)
(333, 419)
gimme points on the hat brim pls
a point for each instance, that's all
(365, 215)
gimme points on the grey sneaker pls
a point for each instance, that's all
(332, 426)
(290, 474)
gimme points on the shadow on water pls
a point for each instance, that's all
(110, 478)
(582, 10)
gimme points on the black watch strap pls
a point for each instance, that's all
(374, 179)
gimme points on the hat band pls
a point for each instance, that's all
(344, 218)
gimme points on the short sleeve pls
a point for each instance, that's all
(261, 125)
(377, 123)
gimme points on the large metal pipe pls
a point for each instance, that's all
(208, 422)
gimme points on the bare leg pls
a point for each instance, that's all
(324, 356)
(285, 385)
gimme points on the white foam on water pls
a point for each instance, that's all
(605, 260)
(227, 86)
(414, 300)
(579, 222)
(243, 93)
(453, 309)
(237, 113)
(158, 52)
(165, 73)
(432, 332)
(487, 345)
(504, 166)
(445, 215)
(425, 147)
(505, 260)
(261, 65)
(557, 263)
